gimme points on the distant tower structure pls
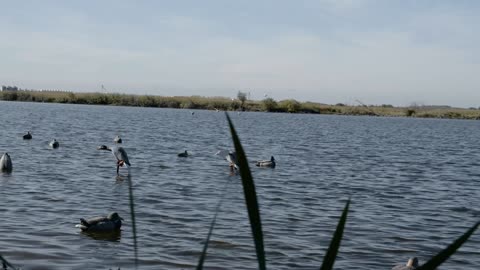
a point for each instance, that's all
(104, 89)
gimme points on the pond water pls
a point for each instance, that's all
(414, 186)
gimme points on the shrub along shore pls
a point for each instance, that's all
(238, 104)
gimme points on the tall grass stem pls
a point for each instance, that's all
(212, 225)
(6, 264)
(250, 197)
(332, 251)
(443, 255)
(132, 216)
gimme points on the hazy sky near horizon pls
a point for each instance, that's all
(332, 51)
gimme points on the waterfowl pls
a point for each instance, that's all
(231, 157)
(183, 154)
(6, 163)
(117, 139)
(110, 223)
(27, 136)
(54, 144)
(267, 163)
(119, 153)
(411, 265)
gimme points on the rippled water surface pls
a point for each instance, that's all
(414, 184)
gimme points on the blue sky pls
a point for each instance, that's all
(330, 51)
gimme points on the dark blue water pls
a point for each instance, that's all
(414, 185)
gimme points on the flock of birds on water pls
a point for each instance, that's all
(110, 223)
(113, 222)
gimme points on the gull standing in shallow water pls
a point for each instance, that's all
(119, 153)
(110, 223)
(6, 163)
(231, 157)
(411, 265)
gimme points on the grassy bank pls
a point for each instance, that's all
(228, 104)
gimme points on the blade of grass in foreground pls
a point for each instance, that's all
(332, 251)
(250, 197)
(441, 257)
(205, 246)
(132, 216)
(5, 263)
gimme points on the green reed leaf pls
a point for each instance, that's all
(212, 225)
(443, 255)
(332, 251)
(5, 263)
(250, 197)
(132, 216)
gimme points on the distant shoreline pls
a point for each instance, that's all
(239, 104)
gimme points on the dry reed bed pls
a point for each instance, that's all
(228, 104)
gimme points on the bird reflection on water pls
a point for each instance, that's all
(114, 236)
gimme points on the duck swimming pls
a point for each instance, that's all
(6, 163)
(267, 163)
(411, 265)
(110, 223)
(119, 153)
(54, 144)
(27, 136)
(183, 154)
